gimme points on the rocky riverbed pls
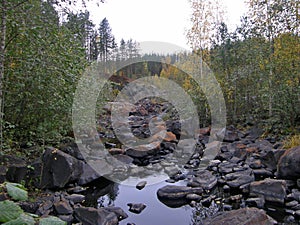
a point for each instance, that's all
(251, 180)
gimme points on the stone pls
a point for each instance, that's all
(289, 164)
(256, 202)
(272, 190)
(136, 207)
(118, 211)
(75, 198)
(170, 137)
(63, 208)
(143, 150)
(291, 204)
(92, 216)
(175, 196)
(262, 173)
(237, 179)
(244, 216)
(204, 179)
(141, 185)
(88, 174)
(13, 168)
(116, 151)
(230, 134)
(59, 169)
(193, 197)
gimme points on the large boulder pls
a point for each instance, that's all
(59, 169)
(289, 164)
(272, 190)
(244, 216)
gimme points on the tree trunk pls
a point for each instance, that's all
(2, 59)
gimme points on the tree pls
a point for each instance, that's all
(207, 15)
(106, 40)
(83, 30)
(272, 17)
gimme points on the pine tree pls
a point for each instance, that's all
(106, 41)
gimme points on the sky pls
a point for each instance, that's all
(155, 20)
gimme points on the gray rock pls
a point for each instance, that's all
(173, 192)
(256, 202)
(249, 216)
(291, 204)
(88, 174)
(237, 179)
(175, 196)
(15, 168)
(92, 216)
(204, 179)
(63, 208)
(136, 207)
(75, 198)
(272, 190)
(118, 211)
(193, 197)
(289, 164)
(59, 169)
(141, 185)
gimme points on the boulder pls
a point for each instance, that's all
(244, 216)
(59, 169)
(272, 190)
(289, 164)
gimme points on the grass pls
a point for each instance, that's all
(292, 141)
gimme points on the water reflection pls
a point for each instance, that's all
(105, 193)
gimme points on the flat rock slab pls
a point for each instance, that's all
(244, 216)
(272, 190)
(204, 179)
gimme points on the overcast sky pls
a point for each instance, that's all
(154, 20)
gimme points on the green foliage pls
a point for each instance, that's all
(52, 220)
(12, 214)
(9, 211)
(43, 63)
(16, 191)
(23, 219)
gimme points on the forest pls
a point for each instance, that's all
(43, 54)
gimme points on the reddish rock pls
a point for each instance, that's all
(170, 137)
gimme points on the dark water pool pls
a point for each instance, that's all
(111, 194)
(106, 193)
